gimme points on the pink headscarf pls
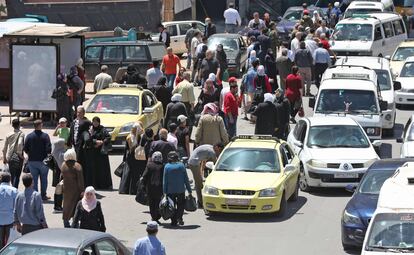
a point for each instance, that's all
(210, 108)
(209, 88)
(89, 204)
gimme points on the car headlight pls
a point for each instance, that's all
(373, 131)
(387, 117)
(126, 128)
(317, 163)
(209, 190)
(271, 192)
(351, 219)
(369, 162)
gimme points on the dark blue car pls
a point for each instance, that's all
(359, 210)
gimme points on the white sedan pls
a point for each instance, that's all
(406, 77)
(334, 151)
(407, 148)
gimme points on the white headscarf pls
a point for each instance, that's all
(212, 77)
(176, 97)
(89, 204)
(261, 70)
(268, 97)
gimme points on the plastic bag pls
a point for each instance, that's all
(190, 204)
(141, 197)
(167, 208)
(120, 169)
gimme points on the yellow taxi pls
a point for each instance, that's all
(254, 174)
(120, 106)
(403, 51)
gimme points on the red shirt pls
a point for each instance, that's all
(325, 44)
(170, 64)
(293, 87)
(230, 105)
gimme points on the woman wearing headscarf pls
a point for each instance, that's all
(132, 173)
(251, 59)
(58, 151)
(162, 92)
(261, 85)
(270, 68)
(99, 143)
(266, 116)
(63, 103)
(76, 86)
(174, 109)
(73, 185)
(88, 213)
(222, 60)
(209, 94)
(85, 151)
(152, 179)
(211, 129)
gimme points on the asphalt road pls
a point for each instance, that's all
(311, 225)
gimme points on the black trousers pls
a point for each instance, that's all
(319, 70)
(154, 205)
(26, 229)
(4, 234)
(179, 199)
(15, 172)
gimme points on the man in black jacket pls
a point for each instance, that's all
(283, 113)
(162, 145)
(266, 114)
(210, 28)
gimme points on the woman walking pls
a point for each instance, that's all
(152, 179)
(293, 92)
(58, 152)
(100, 141)
(222, 60)
(88, 213)
(73, 185)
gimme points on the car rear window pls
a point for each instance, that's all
(157, 51)
(136, 52)
(15, 249)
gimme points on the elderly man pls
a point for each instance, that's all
(304, 61)
(102, 80)
(162, 145)
(149, 245)
(256, 23)
(208, 65)
(232, 19)
(283, 66)
(322, 59)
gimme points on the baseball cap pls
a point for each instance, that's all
(305, 12)
(181, 118)
(152, 225)
(232, 79)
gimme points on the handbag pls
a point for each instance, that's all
(167, 208)
(15, 161)
(141, 197)
(140, 152)
(26, 169)
(190, 204)
(120, 169)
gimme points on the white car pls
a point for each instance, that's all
(406, 77)
(381, 66)
(407, 139)
(334, 151)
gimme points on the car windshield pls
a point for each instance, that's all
(293, 15)
(353, 32)
(373, 181)
(347, 101)
(337, 136)
(407, 70)
(384, 79)
(248, 160)
(157, 51)
(402, 53)
(229, 44)
(124, 104)
(350, 12)
(26, 249)
(392, 232)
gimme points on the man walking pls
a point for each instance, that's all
(13, 152)
(304, 61)
(38, 147)
(210, 28)
(267, 116)
(231, 109)
(187, 40)
(8, 195)
(150, 245)
(208, 65)
(164, 36)
(102, 80)
(169, 67)
(186, 89)
(322, 59)
(232, 19)
(162, 145)
(153, 75)
(28, 211)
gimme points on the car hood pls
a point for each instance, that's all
(232, 54)
(364, 205)
(341, 154)
(351, 45)
(406, 82)
(365, 120)
(242, 180)
(408, 149)
(285, 25)
(114, 120)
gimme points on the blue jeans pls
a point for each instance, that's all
(231, 128)
(231, 28)
(170, 81)
(38, 168)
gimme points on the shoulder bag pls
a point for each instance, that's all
(15, 161)
(140, 151)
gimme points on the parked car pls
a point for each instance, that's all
(118, 55)
(177, 31)
(402, 52)
(236, 50)
(407, 139)
(66, 241)
(405, 96)
(360, 208)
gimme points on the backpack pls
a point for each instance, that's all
(258, 96)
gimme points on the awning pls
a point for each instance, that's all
(45, 31)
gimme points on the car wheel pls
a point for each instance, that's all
(282, 207)
(294, 197)
(303, 184)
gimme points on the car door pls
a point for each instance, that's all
(298, 136)
(92, 61)
(175, 38)
(112, 57)
(106, 247)
(389, 41)
(404, 137)
(378, 43)
(151, 111)
(289, 175)
(183, 28)
(293, 160)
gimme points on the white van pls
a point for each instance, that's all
(351, 91)
(375, 34)
(363, 7)
(391, 229)
(381, 66)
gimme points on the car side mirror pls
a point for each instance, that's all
(298, 144)
(377, 143)
(399, 140)
(383, 105)
(210, 165)
(350, 188)
(148, 110)
(388, 57)
(312, 102)
(397, 85)
(290, 168)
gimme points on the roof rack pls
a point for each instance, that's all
(256, 137)
(348, 65)
(119, 85)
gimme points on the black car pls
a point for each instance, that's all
(235, 48)
(66, 241)
(118, 55)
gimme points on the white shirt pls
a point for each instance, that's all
(260, 26)
(172, 139)
(232, 16)
(311, 45)
(223, 93)
(194, 44)
(294, 45)
(199, 48)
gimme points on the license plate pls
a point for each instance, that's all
(346, 175)
(235, 201)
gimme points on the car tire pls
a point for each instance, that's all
(303, 184)
(282, 207)
(294, 197)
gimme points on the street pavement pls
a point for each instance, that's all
(311, 224)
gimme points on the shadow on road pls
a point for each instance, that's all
(292, 209)
(330, 192)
